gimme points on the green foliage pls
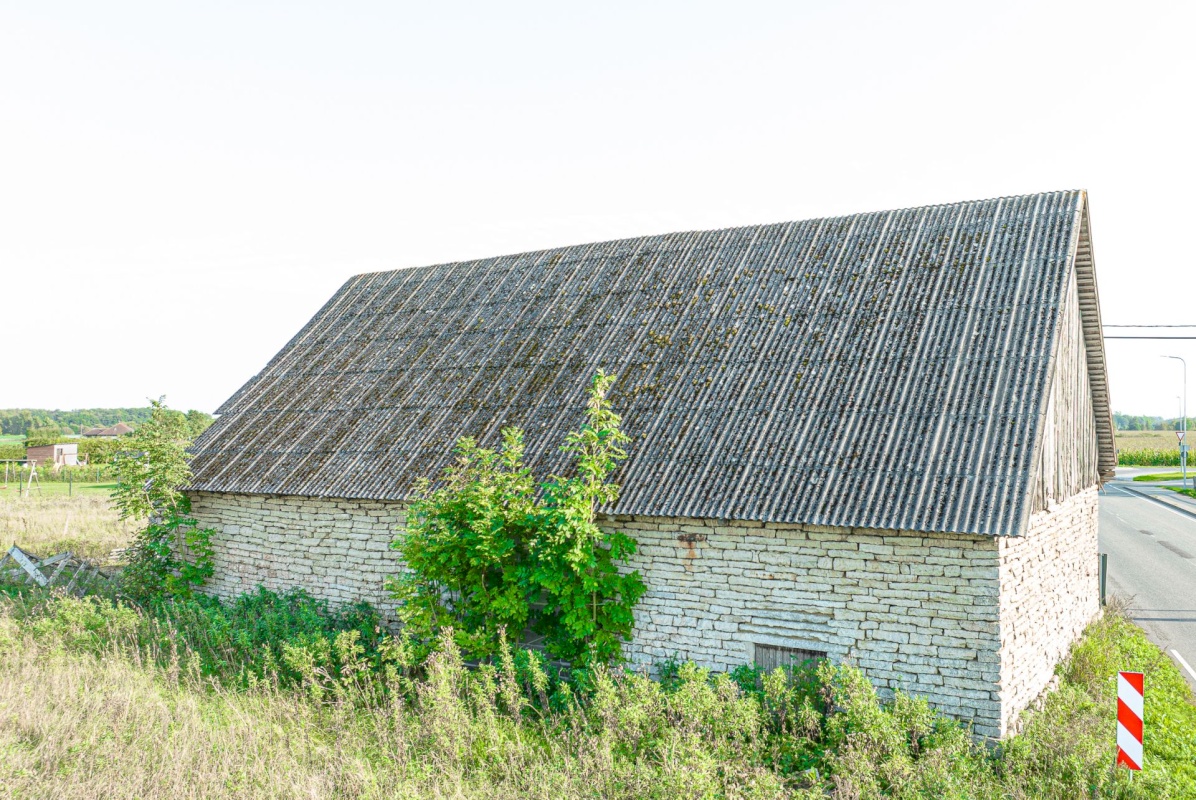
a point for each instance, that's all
(100, 451)
(198, 422)
(588, 603)
(1067, 749)
(50, 434)
(150, 477)
(466, 549)
(486, 555)
(20, 420)
(1127, 422)
(1148, 457)
(282, 637)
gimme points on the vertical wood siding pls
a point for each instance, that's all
(1068, 455)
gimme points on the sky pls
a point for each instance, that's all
(182, 186)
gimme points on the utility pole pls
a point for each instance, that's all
(1183, 435)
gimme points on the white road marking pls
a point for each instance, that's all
(1185, 664)
(1159, 503)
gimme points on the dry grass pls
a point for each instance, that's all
(85, 524)
(77, 728)
(1147, 440)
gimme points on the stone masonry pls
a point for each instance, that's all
(974, 623)
(338, 550)
(1050, 592)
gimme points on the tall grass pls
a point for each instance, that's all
(101, 700)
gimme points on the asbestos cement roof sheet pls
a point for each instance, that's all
(881, 370)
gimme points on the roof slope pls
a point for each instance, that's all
(884, 370)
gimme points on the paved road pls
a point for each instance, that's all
(1152, 560)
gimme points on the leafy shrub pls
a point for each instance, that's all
(489, 552)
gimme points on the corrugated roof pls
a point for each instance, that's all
(839, 371)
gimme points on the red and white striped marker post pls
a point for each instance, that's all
(1130, 694)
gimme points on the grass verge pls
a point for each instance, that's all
(1159, 476)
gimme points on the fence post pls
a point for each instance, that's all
(1104, 573)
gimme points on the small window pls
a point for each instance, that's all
(769, 657)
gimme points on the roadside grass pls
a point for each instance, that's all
(273, 696)
(1162, 476)
(49, 523)
(1185, 492)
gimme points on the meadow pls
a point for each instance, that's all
(49, 521)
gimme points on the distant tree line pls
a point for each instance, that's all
(1128, 422)
(18, 421)
(55, 427)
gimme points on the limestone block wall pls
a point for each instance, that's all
(914, 611)
(1049, 593)
(975, 624)
(338, 550)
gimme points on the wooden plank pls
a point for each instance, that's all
(59, 568)
(81, 571)
(18, 555)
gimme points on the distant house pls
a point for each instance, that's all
(119, 429)
(877, 438)
(63, 455)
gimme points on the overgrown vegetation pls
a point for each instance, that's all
(491, 550)
(170, 555)
(276, 696)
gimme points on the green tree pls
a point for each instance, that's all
(588, 603)
(489, 551)
(150, 476)
(466, 549)
(198, 422)
(48, 434)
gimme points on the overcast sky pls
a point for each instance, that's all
(183, 186)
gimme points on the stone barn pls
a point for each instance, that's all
(877, 437)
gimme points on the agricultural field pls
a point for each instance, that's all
(1147, 440)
